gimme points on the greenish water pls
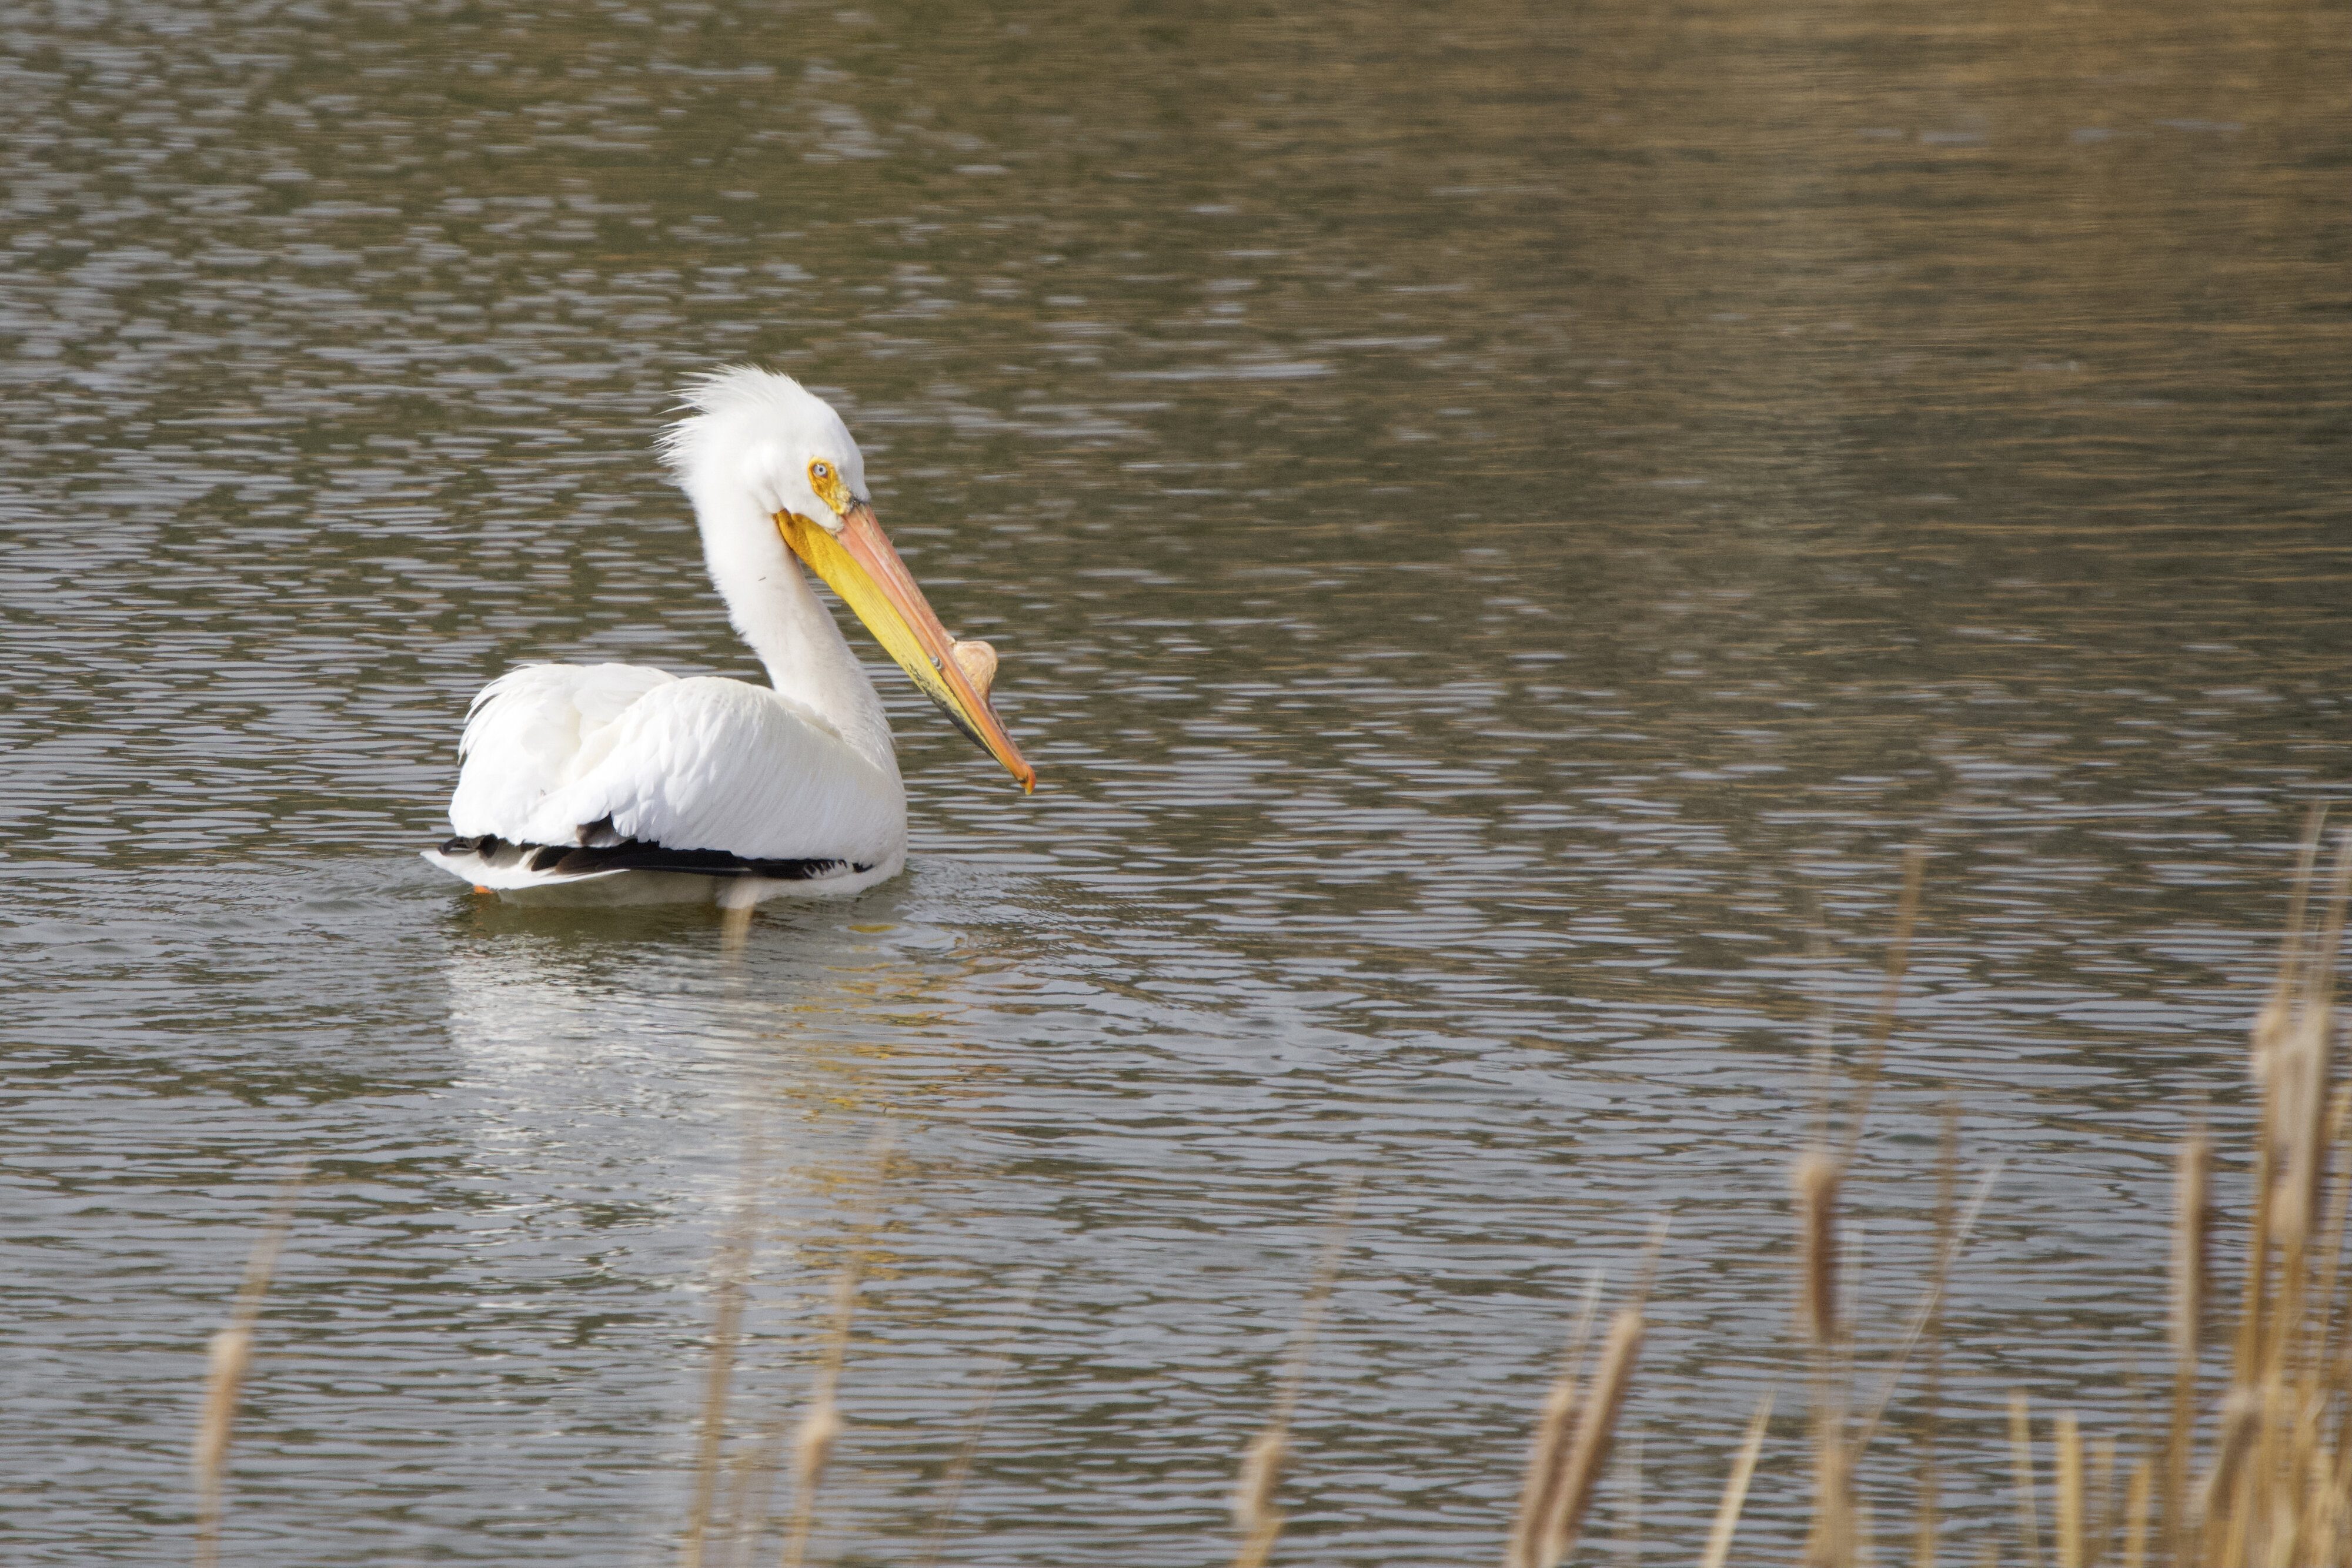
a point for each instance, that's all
(1503, 523)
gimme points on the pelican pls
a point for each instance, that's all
(616, 783)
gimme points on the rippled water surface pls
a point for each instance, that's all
(1504, 522)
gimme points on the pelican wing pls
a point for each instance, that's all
(553, 750)
(530, 733)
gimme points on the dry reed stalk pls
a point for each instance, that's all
(2299, 1096)
(1835, 1538)
(227, 1357)
(2136, 1497)
(2069, 1517)
(2339, 1475)
(2225, 1521)
(1647, 1275)
(2267, 1041)
(2326, 1459)
(1555, 1426)
(1840, 1530)
(2273, 1012)
(1259, 1520)
(2021, 1459)
(1898, 962)
(1735, 1489)
(1548, 1450)
(820, 1429)
(960, 1471)
(1629, 1538)
(1254, 1514)
(1830, 1539)
(2193, 1228)
(2102, 1524)
(2192, 1231)
(1596, 1427)
(2275, 1491)
(755, 1468)
(1930, 1483)
(731, 1266)
(2324, 1343)
(2253, 1324)
(1931, 1303)
(754, 1489)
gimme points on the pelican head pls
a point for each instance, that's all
(763, 435)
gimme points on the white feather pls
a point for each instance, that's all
(526, 736)
(802, 771)
(710, 763)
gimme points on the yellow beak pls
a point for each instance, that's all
(859, 564)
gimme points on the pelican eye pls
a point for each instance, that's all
(824, 478)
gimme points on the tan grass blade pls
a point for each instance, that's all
(1735, 1490)
(1926, 1520)
(2193, 1228)
(1931, 1304)
(2136, 1510)
(2325, 1341)
(2101, 1539)
(730, 1267)
(2225, 1516)
(226, 1360)
(960, 1471)
(1254, 1512)
(1898, 961)
(1259, 1520)
(1596, 1427)
(2021, 1458)
(1548, 1449)
(2273, 1019)
(820, 1429)
(228, 1356)
(1547, 1455)
(1835, 1537)
(2066, 1447)
(1629, 1533)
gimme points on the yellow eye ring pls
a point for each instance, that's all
(830, 487)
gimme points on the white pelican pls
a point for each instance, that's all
(615, 783)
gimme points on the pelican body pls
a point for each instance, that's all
(617, 783)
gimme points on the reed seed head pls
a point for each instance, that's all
(227, 1357)
(2270, 1030)
(813, 1449)
(1815, 1181)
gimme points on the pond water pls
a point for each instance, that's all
(1504, 522)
